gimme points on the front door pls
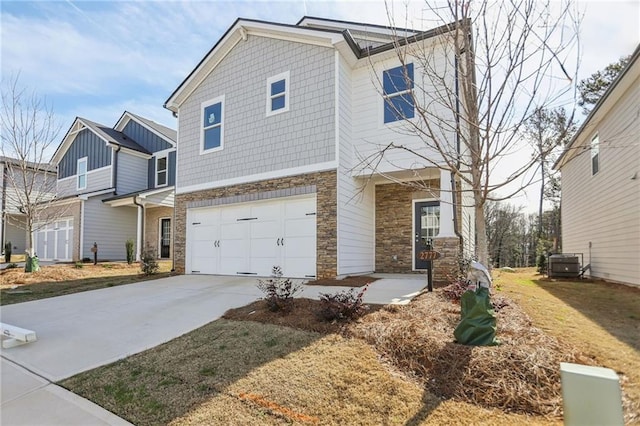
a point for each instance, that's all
(426, 228)
(165, 238)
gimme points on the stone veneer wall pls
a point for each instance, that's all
(152, 228)
(394, 233)
(326, 212)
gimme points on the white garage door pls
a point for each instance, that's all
(55, 240)
(250, 239)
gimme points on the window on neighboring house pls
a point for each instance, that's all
(397, 84)
(81, 173)
(595, 153)
(278, 94)
(213, 125)
(161, 171)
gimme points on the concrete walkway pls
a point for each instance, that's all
(83, 331)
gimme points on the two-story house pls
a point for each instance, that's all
(21, 183)
(600, 171)
(115, 184)
(275, 124)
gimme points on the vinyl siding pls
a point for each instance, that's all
(604, 209)
(372, 135)
(148, 140)
(132, 173)
(96, 180)
(16, 234)
(254, 143)
(467, 221)
(109, 227)
(151, 175)
(356, 208)
(86, 144)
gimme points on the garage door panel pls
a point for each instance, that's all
(232, 214)
(265, 229)
(300, 208)
(300, 227)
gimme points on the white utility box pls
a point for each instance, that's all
(591, 395)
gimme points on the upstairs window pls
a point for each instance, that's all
(595, 153)
(278, 94)
(212, 125)
(161, 171)
(81, 172)
(397, 84)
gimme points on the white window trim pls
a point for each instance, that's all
(595, 151)
(86, 172)
(166, 171)
(402, 92)
(160, 219)
(287, 93)
(203, 105)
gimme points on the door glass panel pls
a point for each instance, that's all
(429, 224)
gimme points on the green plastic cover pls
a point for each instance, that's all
(32, 264)
(478, 324)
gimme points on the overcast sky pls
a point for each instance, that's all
(95, 59)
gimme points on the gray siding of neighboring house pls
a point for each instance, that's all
(97, 180)
(17, 235)
(151, 175)
(86, 144)
(132, 173)
(148, 140)
(253, 142)
(110, 227)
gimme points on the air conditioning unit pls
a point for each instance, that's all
(564, 265)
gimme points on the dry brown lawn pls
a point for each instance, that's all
(17, 286)
(396, 365)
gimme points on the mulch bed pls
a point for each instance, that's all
(350, 281)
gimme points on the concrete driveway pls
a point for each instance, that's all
(85, 330)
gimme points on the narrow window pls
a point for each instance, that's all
(81, 173)
(595, 153)
(161, 171)
(278, 94)
(213, 125)
(397, 84)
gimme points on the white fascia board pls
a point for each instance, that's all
(167, 189)
(309, 22)
(130, 151)
(240, 32)
(127, 116)
(96, 193)
(312, 168)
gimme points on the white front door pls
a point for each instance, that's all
(252, 238)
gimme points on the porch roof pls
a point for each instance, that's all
(147, 197)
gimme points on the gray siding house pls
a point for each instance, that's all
(600, 171)
(114, 183)
(273, 125)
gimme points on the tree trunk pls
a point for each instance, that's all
(482, 245)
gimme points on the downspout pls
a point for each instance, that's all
(115, 170)
(140, 230)
(3, 230)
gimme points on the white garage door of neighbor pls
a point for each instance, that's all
(55, 240)
(250, 239)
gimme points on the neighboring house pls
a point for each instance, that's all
(115, 184)
(21, 182)
(601, 183)
(273, 124)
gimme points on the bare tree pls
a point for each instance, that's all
(481, 78)
(548, 131)
(27, 131)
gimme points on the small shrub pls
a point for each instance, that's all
(542, 264)
(11, 266)
(7, 251)
(148, 262)
(107, 266)
(343, 305)
(129, 246)
(78, 265)
(455, 290)
(279, 292)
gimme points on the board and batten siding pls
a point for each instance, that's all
(371, 134)
(356, 207)
(110, 227)
(97, 180)
(132, 173)
(86, 144)
(145, 138)
(253, 142)
(604, 209)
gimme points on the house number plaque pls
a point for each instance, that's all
(429, 255)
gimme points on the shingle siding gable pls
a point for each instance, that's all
(254, 143)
